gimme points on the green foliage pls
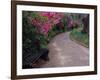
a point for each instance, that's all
(35, 15)
(81, 37)
(31, 39)
(30, 34)
(34, 40)
(51, 33)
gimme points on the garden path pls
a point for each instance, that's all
(66, 53)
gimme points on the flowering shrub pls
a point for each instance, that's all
(40, 27)
(44, 21)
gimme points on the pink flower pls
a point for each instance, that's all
(46, 14)
(45, 28)
(56, 21)
(49, 15)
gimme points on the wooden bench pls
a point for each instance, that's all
(30, 58)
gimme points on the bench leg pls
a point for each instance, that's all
(45, 55)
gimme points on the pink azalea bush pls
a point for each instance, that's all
(44, 21)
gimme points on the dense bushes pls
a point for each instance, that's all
(83, 39)
(40, 27)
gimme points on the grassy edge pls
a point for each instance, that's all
(78, 41)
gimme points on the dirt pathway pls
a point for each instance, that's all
(65, 52)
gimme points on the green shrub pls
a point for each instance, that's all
(79, 36)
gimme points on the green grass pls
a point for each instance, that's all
(81, 37)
